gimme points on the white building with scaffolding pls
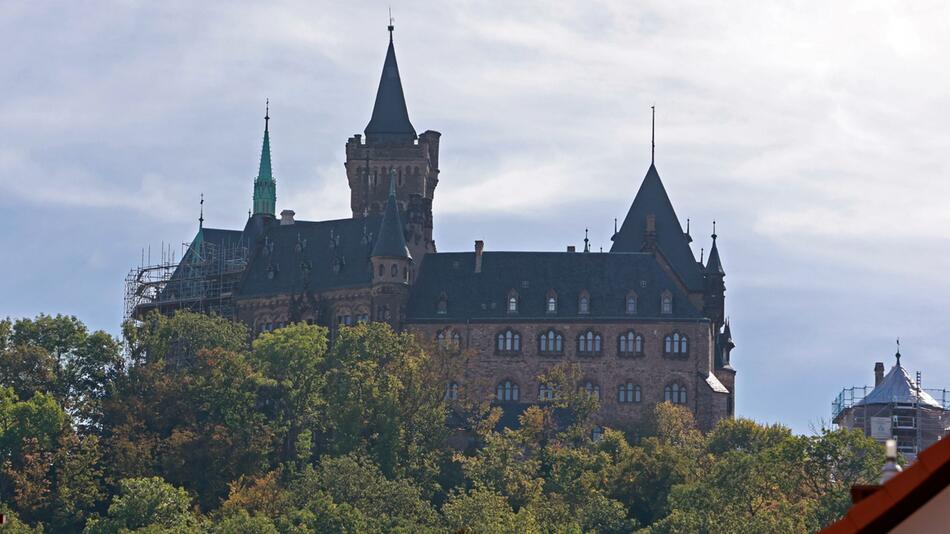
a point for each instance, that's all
(896, 407)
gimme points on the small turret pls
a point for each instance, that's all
(391, 264)
(714, 294)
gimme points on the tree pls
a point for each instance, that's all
(292, 361)
(386, 397)
(147, 504)
(482, 511)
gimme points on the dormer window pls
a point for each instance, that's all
(666, 303)
(630, 304)
(442, 305)
(550, 303)
(512, 301)
(583, 303)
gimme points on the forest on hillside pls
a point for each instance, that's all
(183, 426)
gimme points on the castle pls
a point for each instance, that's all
(644, 321)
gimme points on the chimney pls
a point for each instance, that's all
(479, 248)
(287, 217)
(571, 248)
(878, 373)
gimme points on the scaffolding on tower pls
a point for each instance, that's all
(203, 281)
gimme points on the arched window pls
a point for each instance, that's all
(675, 393)
(508, 341)
(676, 344)
(589, 343)
(512, 301)
(630, 344)
(630, 305)
(666, 303)
(440, 339)
(551, 342)
(592, 389)
(452, 391)
(394, 270)
(442, 306)
(552, 305)
(628, 393)
(507, 391)
(456, 340)
(382, 269)
(583, 303)
(545, 392)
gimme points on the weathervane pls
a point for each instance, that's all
(201, 217)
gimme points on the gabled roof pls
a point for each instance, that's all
(898, 387)
(314, 255)
(607, 278)
(652, 199)
(909, 500)
(391, 242)
(390, 117)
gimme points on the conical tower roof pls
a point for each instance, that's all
(897, 386)
(390, 241)
(714, 264)
(390, 120)
(652, 199)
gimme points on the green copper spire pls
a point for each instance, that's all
(265, 188)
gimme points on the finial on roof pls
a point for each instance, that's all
(898, 354)
(201, 217)
(266, 112)
(615, 225)
(702, 254)
(653, 135)
(689, 238)
(249, 214)
(390, 27)
(714, 231)
(586, 241)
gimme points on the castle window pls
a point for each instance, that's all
(592, 389)
(442, 306)
(394, 271)
(551, 342)
(583, 303)
(675, 393)
(597, 433)
(452, 391)
(675, 344)
(589, 343)
(512, 301)
(631, 304)
(507, 391)
(448, 339)
(666, 303)
(382, 269)
(440, 339)
(628, 393)
(508, 341)
(545, 392)
(552, 305)
(630, 344)
(456, 339)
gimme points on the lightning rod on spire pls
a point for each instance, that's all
(653, 135)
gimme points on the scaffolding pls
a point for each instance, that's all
(203, 281)
(915, 425)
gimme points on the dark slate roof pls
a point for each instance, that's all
(897, 386)
(319, 255)
(671, 240)
(390, 116)
(392, 240)
(606, 276)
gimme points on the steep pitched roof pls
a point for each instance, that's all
(606, 277)
(898, 387)
(714, 264)
(390, 117)
(391, 242)
(652, 199)
(313, 255)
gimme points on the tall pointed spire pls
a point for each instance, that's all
(265, 187)
(653, 135)
(714, 265)
(391, 241)
(390, 120)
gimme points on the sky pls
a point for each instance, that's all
(814, 133)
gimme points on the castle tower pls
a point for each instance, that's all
(714, 298)
(265, 187)
(391, 147)
(391, 262)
